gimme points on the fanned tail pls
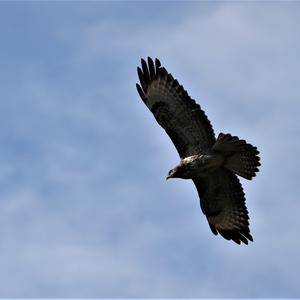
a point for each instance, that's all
(240, 158)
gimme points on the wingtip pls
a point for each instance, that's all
(149, 59)
(144, 65)
(139, 71)
(151, 68)
(157, 63)
(140, 91)
(238, 237)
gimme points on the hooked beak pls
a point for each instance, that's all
(170, 175)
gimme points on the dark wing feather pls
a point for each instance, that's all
(222, 200)
(184, 120)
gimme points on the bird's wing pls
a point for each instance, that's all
(183, 120)
(222, 200)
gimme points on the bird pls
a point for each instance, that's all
(212, 163)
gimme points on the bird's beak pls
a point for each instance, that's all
(169, 176)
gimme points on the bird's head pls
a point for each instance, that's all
(177, 172)
(184, 170)
(172, 173)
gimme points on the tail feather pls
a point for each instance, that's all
(240, 157)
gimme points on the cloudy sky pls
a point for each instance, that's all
(85, 210)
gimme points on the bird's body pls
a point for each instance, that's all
(199, 165)
(212, 163)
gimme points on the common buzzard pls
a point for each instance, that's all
(212, 163)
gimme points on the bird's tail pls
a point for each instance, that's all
(240, 158)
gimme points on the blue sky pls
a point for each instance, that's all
(85, 210)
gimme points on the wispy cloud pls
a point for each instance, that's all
(85, 210)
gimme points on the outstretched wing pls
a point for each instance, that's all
(183, 120)
(222, 200)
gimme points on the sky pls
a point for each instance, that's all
(85, 210)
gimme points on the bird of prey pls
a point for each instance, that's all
(212, 163)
